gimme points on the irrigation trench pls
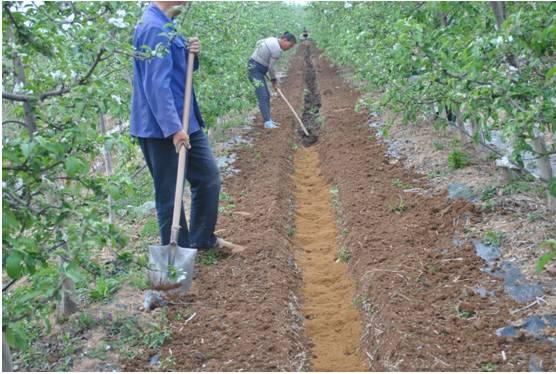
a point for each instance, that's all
(292, 303)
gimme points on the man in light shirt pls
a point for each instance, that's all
(263, 60)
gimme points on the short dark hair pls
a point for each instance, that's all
(289, 37)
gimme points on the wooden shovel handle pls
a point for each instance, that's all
(182, 151)
(293, 111)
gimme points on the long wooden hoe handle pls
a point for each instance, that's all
(293, 111)
(181, 157)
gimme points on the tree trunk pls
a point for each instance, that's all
(19, 75)
(499, 8)
(545, 168)
(67, 305)
(107, 163)
(6, 356)
(459, 123)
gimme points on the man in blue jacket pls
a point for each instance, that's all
(156, 112)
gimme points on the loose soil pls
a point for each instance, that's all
(423, 312)
(331, 319)
(407, 299)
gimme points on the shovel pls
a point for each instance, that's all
(170, 266)
(309, 138)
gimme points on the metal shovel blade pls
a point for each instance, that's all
(171, 268)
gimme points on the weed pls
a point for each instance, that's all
(104, 288)
(68, 345)
(437, 145)
(150, 228)
(522, 187)
(291, 231)
(84, 321)
(125, 256)
(398, 208)
(209, 257)
(465, 314)
(399, 184)
(167, 363)
(138, 279)
(488, 193)
(230, 204)
(257, 156)
(225, 197)
(344, 255)
(436, 174)
(372, 138)
(156, 337)
(142, 260)
(548, 256)
(359, 301)
(489, 366)
(344, 232)
(533, 217)
(99, 353)
(455, 143)
(493, 238)
(433, 268)
(458, 160)
(489, 206)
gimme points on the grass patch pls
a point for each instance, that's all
(227, 203)
(104, 289)
(398, 207)
(493, 238)
(488, 193)
(458, 160)
(344, 255)
(437, 145)
(290, 231)
(489, 366)
(399, 184)
(150, 229)
(208, 258)
(523, 187)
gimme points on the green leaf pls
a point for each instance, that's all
(73, 271)
(552, 186)
(551, 72)
(545, 259)
(9, 221)
(15, 337)
(27, 148)
(13, 265)
(75, 166)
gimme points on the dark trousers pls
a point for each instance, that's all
(202, 174)
(256, 76)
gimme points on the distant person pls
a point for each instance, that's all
(305, 34)
(263, 60)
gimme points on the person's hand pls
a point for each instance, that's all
(194, 45)
(275, 84)
(180, 138)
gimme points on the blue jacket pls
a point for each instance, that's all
(159, 82)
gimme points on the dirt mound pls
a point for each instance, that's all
(424, 308)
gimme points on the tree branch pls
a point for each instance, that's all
(15, 97)
(61, 91)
